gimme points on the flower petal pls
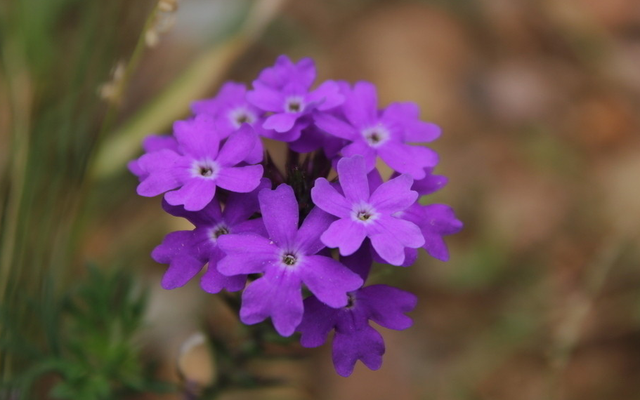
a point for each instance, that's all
(245, 254)
(345, 234)
(360, 148)
(237, 147)
(352, 175)
(280, 214)
(387, 305)
(361, 105)
(197, 136)
(394, 195)
(240, 179)
(240, 206)
(308, 236)
(277, 297)
(366, 345)
(329, 280)
(334, 126)
(194, 194)
(327, 198)
(408, 159)
(282, 122)
(266, 98)
(327, 95)
(317, 322)
(214, 282)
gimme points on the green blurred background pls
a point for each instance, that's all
(539, 101)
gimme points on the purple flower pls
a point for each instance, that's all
(187, 252)
(284, 91)
(230, 109)
(364, 214)
(284, 71)
(385, 133)
(287, 258)
(430, 183)
(200, 165)
(354, 337)
(434, 221)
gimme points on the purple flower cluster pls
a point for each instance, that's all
(270, 233)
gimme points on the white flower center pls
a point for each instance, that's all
(364, 213)
(241, 115)
(206, 169)
(375, 135)
(294, 104)
(217, 231)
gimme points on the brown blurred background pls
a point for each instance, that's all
(539, 104)
(539, 101)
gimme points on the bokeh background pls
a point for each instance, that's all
(539, 102)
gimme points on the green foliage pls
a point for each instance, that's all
(91, 350)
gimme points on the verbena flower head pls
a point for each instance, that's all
(298, 246)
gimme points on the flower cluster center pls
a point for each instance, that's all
(363, 215)
(206, 171)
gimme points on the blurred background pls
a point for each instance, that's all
(539, 104)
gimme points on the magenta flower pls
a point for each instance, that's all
(187, 252)
(385, 133)
(364, 214)
(434, 221)
(230, 109)
(354, 337)
(288, 258)
(200, 165)
(284, 91)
